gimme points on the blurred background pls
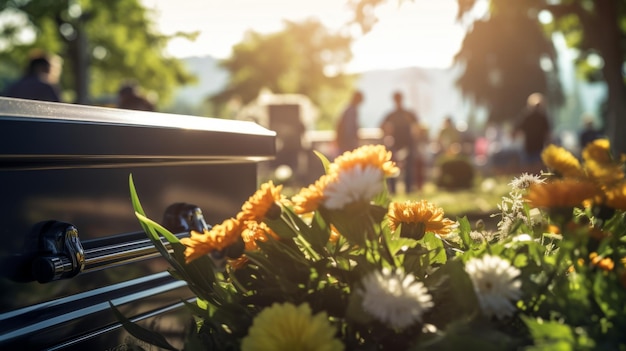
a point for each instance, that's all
(293, 66)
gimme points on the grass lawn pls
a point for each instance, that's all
(478, 202)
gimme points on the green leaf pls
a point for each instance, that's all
(608, 294)
(154, 237)
(200, 308)
(158, 228)
(466, 335)
(459, 298)
(353, 224)
(549, 335)
(355, 311)
(133, 196)
(141, 333)
(464, 232)
(316, 236)
(435, 245)
(280, 227)
(320, 230)
(325, 161)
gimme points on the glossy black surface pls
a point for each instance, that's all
(71, 164)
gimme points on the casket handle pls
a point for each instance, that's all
(60, 254)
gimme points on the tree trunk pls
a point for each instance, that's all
(78, 57)
(608, 43)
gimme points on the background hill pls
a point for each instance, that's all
(429, 92)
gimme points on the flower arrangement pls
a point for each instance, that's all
(340, 266)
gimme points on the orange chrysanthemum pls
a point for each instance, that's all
(256, 231)
(553, 229)
(422, 212)
(367, 155)
(310, 198)
(261, 203)
(605, 263)
(252, 232)
(566, 193)
(561, 161)
(218, 238)
(334, 234)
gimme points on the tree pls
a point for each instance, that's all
(304, 58)
(593, 27)
(102, 43)
(599, 28)
(503, 57)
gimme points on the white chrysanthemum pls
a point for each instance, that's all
(525, 180)
(395, 298)
(495, 284)
(353, 185)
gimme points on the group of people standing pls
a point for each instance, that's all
(40, 81)
(404, 136)
(401, 133)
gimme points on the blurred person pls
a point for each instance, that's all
(129, 98)
(589, 132)
(40, 81)
(348, 127)
(400, 130)
(448, 135)
(534, 127)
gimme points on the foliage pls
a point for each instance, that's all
(304, 58)
(503, 51)
(120, 44)
(508, 46)
(400, 276)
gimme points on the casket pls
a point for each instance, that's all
(71, 243)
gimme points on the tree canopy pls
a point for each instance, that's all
(102, 43)
(504, 52)
(506, 58)
(594, 28)
(304, 58)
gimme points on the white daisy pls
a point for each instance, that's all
(395, 298)
(353, 185)
(495, 283)
(525, 180)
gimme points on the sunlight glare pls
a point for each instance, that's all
(415, 33)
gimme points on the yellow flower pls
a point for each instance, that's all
(599, 151)
(561, 161)
(600, 165)
(604, 173)
(262, 203)
(422, 213)
(615, 197)
(367, 155)
(565, 193)
(286, 327)
(218, 238)
(310, 198)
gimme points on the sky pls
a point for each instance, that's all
(421, 33)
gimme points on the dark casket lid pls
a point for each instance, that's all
(33, 134)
